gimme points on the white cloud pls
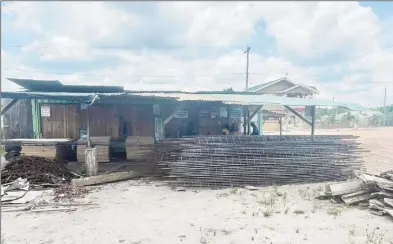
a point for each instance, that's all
(67, 30)
(312, 29)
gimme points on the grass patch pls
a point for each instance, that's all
(374, 237)
(267, 213)
(335, 211)
(224, 194)
(298, 212)
(234, 191)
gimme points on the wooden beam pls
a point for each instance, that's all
(253, 114)
(298, 115)
(170, 117)
(245, 112)
(8, 106)
(99, 179)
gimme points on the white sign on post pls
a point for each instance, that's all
(45, 111)
(236, 112)
(223, 112)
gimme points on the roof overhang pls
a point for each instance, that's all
(246, 99)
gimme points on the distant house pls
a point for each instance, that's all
(284, 87)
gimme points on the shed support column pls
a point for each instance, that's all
(280, 122)
(245, 113)
(88, 128)
(260, 120)
(312, 122)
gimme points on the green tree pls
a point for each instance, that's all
(331, 120)
(348, 117)
(375, 119)
(229, 90)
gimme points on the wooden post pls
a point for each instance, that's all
(91, 161)
(312, 122)
(280, 122)
(88, 128)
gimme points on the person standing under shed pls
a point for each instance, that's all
(255, 130)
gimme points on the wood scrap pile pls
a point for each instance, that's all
(69, 193)
(367, 190)
(102, 143)
(17, 196)
(37, 170)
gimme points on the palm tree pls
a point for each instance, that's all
(331, 119)
(349, 118)
(376, 119)
(229, 90)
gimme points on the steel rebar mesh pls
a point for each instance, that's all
(219, 161)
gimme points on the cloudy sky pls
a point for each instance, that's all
(345, 49)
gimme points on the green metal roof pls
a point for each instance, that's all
(251, 99)
(66, 96)
(235, 99)
(57, 86)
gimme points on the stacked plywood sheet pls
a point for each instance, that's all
(140, 148)
(102, 143)
(58, 149)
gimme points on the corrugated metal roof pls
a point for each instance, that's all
(250, 99)
(67, 96)
(57, 86)
(235, 99)
(31, 84)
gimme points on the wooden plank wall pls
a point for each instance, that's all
(139, 118)
(103, 120)
(64, 121)
(18, 122)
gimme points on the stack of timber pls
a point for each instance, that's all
(223, 161)
(140, 148)
(58, 149)
(102, 143)
(144, 155)
(367, 190)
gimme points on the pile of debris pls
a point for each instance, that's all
(17, 196)
(69, 193)
(368, 190)
(37, 170)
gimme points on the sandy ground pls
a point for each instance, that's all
(140, 212)
(134, 212)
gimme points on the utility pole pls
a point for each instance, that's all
(384, 109)
(246, 126)
(248, 56)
